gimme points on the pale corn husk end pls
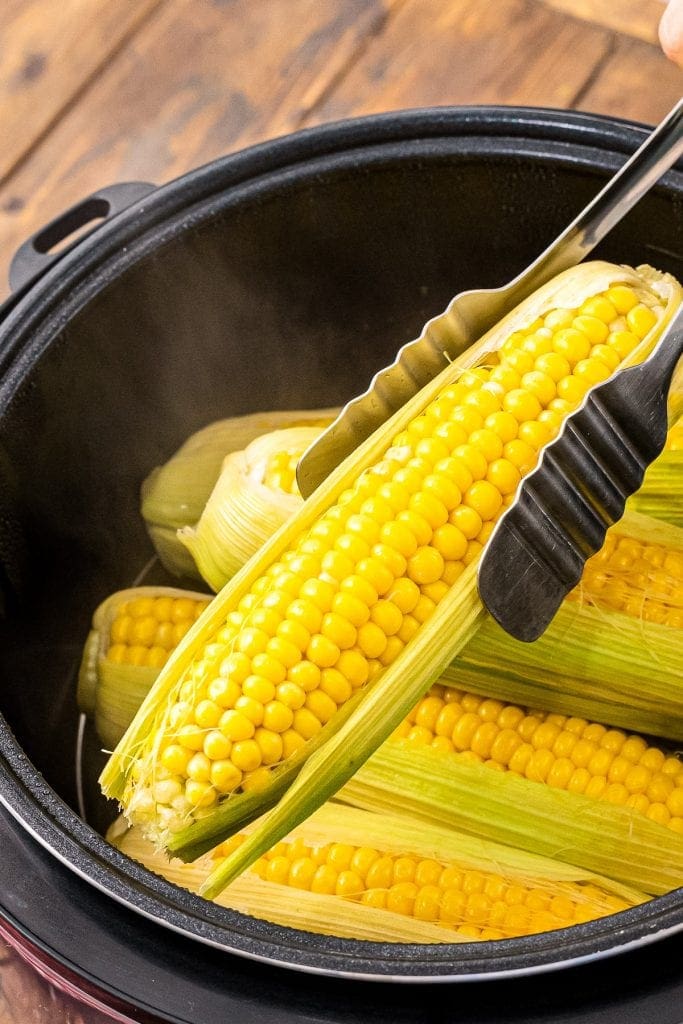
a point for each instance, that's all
(242, 511)
(174, 494)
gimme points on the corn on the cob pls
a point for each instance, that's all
(174, 495)
(615, 650)
(254, 495)
(133, 632)
(564, 752)
(476, 905)
(607, 800)
(373, 581)
(351, 873)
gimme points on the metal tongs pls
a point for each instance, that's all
(564, 508)
(562, 511)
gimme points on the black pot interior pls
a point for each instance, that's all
(288, 291)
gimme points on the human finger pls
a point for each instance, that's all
(671, 31)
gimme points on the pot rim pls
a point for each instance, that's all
(37, 315)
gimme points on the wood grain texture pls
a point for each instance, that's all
(638, 18)
(636, 81)
(464, 51)
(49, 49)
(200, 79)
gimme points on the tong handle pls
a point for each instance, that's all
(660, 150)
(563, 509)
(470, 314)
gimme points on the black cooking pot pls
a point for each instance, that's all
(284, 276)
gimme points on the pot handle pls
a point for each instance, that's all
(36, 254)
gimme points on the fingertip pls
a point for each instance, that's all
(671, 31)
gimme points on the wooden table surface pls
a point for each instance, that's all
(94, 92)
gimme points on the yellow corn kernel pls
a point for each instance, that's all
(640, 320)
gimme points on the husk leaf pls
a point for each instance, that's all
(242, 512)
(661, 495)
(599, 665)
(592, 662)
(610, 840)
(174, 495)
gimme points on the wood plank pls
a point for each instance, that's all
(201, 78)
(636, 81)
(463, 51)
(638, 18)
(49, 51)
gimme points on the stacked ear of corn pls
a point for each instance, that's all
(325, 609)
(661, 481)
(354, 874)
(133, 632)
(557, 785)
(174, 495)
(614, 651)
(254, 495)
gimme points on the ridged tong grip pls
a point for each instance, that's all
(564, 508)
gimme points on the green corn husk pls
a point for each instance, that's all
(654, 497)
(346, 917)
(603, 666)
(120, 691)
(439, 789)
(385, 701)
(174, 495)
(650, 529)
(242, 511)
(660, 496)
